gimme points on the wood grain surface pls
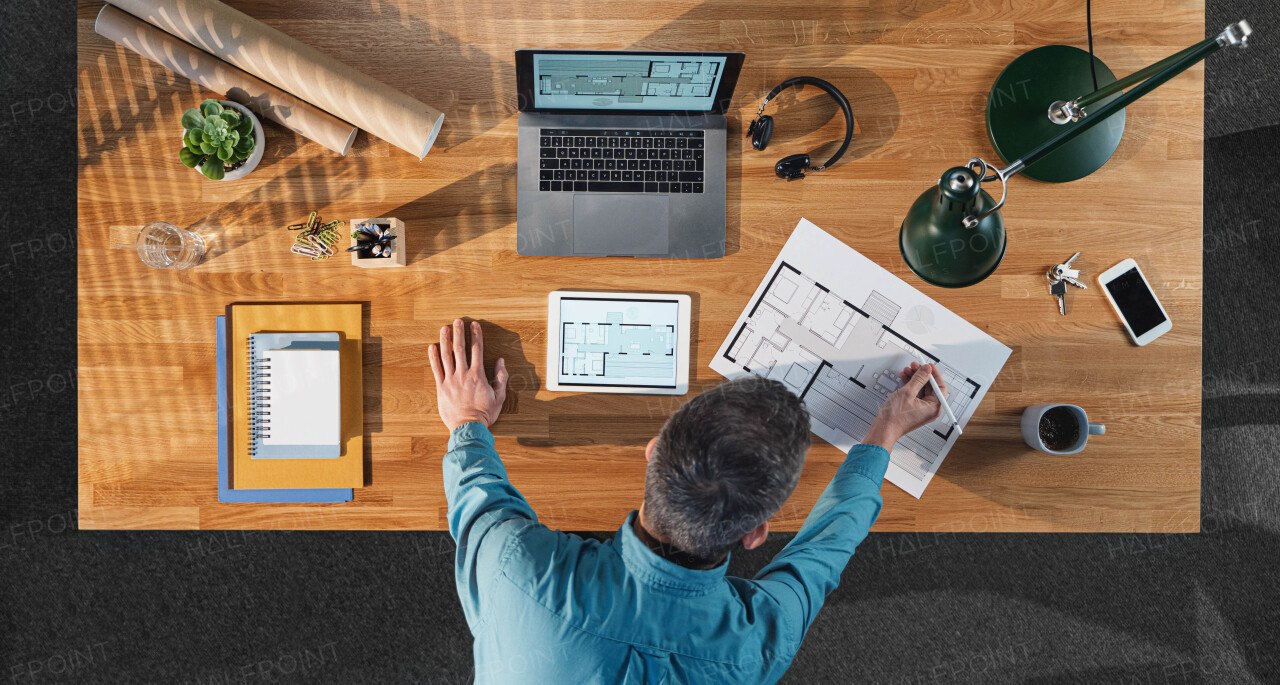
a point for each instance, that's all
(916, 72)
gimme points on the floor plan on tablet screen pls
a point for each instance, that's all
(836, 328)
(617, 342)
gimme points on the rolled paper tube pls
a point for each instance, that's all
(264, 99)
(298, 68)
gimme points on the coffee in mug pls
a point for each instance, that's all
(1058, 428)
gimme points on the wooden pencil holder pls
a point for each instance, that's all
(364, 260)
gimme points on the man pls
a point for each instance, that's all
(654, 604)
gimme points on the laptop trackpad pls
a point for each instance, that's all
(620, 224)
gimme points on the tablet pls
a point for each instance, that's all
(618, 342)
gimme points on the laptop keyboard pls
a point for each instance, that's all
(620, 161)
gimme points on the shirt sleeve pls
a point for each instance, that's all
(485, 512)
(809, 567)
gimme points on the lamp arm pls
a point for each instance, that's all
(1110, 108)
(980, 167)
(1236, 34)
(1065, 112)
(1116, 86)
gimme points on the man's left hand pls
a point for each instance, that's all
(463, 391)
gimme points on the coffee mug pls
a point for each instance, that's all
(1058, 428)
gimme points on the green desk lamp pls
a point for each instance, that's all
(953, 235)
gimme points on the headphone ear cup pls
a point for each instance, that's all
(762, 131)
(792, 167)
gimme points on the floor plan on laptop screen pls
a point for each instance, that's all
(836, 329)
(678, 82)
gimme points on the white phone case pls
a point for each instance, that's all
(1111, 274)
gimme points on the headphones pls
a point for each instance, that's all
(792, 167)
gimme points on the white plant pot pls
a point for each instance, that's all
(259, 143)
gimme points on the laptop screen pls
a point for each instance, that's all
(627, 81)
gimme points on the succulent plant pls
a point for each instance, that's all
(216, 137)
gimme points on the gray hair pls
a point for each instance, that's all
(724, 463)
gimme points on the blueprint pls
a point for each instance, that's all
(836, 329)
(618, 342)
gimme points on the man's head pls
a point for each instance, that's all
(723, 464)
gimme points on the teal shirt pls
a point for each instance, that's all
(549, 607)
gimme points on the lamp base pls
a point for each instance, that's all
(1018, 113)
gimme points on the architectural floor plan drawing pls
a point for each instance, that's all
(836, 329)
(607, 342)
(629, 80)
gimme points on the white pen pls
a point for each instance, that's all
(946, 407)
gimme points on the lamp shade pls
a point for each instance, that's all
(934, 241)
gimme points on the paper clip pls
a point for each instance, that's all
(311, 219)
(307, 250)
(317, 239)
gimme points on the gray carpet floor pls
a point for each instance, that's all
(245, 607)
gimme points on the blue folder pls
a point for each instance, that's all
(225, 493)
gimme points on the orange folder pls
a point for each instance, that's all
(347, 471)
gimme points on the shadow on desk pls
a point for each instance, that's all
(474, 89)
(371, 361)
(874, 106)
(459, 212)
(991, 446)
(259, 218)
(579, 418)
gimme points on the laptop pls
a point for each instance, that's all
(622, 153)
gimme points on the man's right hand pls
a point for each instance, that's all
(463, 391)
(908, 408)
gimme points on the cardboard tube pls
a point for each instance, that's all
(264, 99)
(295, 67)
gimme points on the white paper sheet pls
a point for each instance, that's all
(837, 328)
(304, 397)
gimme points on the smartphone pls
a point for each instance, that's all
(1130, 295)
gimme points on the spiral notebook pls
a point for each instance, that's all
(294, 396)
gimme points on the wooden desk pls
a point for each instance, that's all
(917, 75)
